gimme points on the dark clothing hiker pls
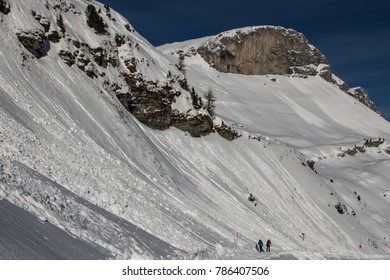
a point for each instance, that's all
(260, 245)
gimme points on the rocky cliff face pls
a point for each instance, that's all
(359, 94)
(262, 50)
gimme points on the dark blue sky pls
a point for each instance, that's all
(354, 35)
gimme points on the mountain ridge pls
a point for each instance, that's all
(263, 50)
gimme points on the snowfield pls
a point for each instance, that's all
(95, 178)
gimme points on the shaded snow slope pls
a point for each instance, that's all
(23, 236)
(71, 155)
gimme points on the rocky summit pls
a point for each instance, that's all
(262, 50)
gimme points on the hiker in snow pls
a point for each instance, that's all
(268, 245)
(260, 246)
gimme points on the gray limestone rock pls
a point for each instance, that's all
(262, 50)
(33, 41)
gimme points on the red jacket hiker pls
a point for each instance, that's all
(268, 245)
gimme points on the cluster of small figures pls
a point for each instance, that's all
(260, 244)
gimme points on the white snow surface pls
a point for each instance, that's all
(73, 157)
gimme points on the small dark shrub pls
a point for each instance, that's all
(54, 37)
(94, 20)
(128, 27)
(4, 7)
(120, 40)
(184, 84)
(60, 23)
(252, 198)
(196, 100)
(340, 208)
(311, 163)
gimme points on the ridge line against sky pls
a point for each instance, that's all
(353, 35)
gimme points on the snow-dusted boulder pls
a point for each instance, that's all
(33, 41)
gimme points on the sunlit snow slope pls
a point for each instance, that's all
(72, 156)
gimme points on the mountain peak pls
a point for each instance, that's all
(262, 50)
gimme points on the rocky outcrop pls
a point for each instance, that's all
(67, 57)
(89, 59)
(42, 20)
(37, 41)
(359, 94)
(227, 132)
(153, 109)
(64, 6)
(262, 50)
(33, 41)
(197, 126)
(148, 102)
(151, 104)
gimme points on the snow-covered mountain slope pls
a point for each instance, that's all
(300, 110)
(73, 156)
(312, 116)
